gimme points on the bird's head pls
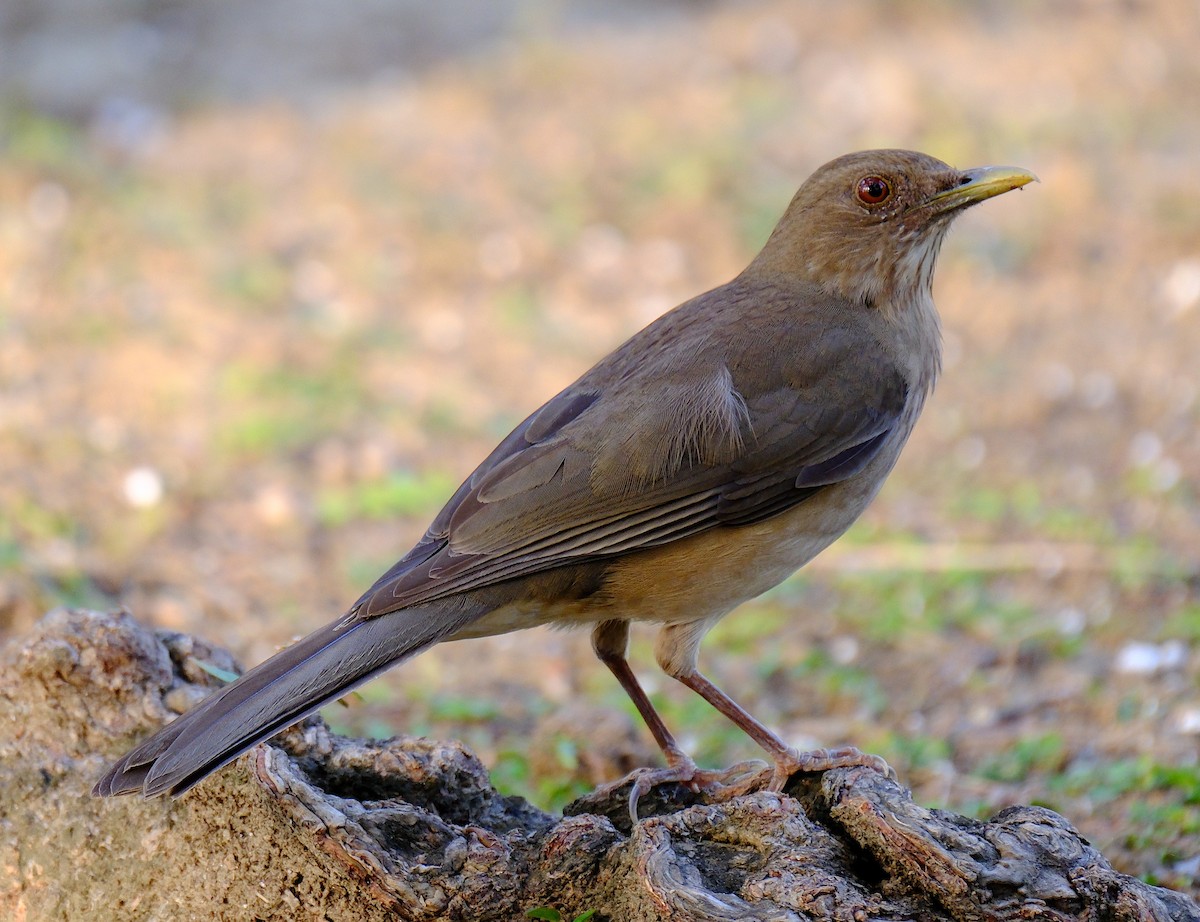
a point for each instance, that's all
(867, 227)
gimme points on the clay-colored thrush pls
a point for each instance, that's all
(698, 465)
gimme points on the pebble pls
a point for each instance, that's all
(1140, 658)
(1188, 721)
(143, 487)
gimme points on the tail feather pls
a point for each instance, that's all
(274, 695)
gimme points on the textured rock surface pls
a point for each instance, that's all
(320, 826)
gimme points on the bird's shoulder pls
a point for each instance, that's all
(734, 370)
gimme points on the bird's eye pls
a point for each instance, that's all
(873, 189)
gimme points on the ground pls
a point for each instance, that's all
(247, 350)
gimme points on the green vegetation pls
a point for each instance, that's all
(551, 788)
(282, 407)
(1183, 624)
(1110, 780)
(31, 139)
(886, 606)
(11, 556)
(547, 914)
(1043, 754)
(916, 752)
(400, 494)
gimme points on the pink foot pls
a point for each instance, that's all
(793, 762)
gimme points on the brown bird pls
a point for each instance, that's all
(698, 465)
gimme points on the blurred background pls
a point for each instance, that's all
(274, 277)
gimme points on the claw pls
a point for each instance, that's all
(649, 778)
(718, 785)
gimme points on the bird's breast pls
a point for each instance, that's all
(709, 574)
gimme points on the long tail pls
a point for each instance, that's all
(274, 695)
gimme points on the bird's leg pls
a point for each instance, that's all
(610, 640)
(788, 761)
(676, 653)
(676, 650)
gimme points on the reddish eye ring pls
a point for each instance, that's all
(873, 189)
